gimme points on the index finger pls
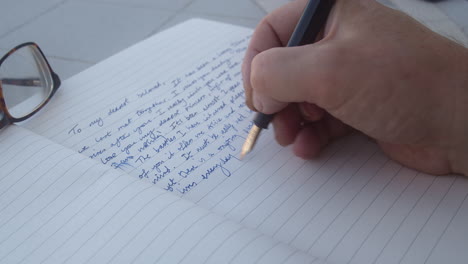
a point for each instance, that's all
(273, 31)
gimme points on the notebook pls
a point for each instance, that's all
(135, 160)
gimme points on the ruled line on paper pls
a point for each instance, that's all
(318, 238)
(82, 226)
(228, 213)
(124, 225)
(382, 218)
(290, 256)
(255, 249)
(26, 255)
(404, 218)
(428, 218)
(353, 174)
(266, 179)
(244, 247)
(446, 228)
(313, 173)
(8, 150)
(41, 211)
(333, 174)
(33, 183)
(361, 214)
(367, 220)
(259, 258)
(413, 220)
(33, 198)
(181, 235)
(454, 240)
(222, 244)
(17, 164)
(282, 202)
(14, 160)
(184, 257)
(108, 220)
(132, 239)
(332, 154)
(161, 231)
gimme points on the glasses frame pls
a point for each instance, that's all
(7, 117)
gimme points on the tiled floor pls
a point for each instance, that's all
(76, 34)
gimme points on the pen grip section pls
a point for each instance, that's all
(262, 120)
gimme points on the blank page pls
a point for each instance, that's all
(170, 111)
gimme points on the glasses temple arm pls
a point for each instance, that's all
(22, 81)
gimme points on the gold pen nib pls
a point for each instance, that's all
(250, 140)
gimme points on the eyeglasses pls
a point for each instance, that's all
(27, 83)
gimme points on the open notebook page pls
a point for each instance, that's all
(170, 110)
(57, 206)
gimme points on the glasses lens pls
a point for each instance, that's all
(26, 81)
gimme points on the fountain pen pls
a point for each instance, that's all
(310, 24)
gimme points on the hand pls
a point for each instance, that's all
(375, 70)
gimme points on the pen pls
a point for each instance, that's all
(312, 20)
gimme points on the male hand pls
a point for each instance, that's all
(374, 70)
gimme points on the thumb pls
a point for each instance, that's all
(290, 75)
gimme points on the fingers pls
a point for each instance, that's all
(311, 112)
(275, 76)
(297, 74)
(316, 135)
(308, 138)
(273, 31)
(287, 124)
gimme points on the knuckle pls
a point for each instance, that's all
(327, 77)
(265, 22)
(264, 70)
(257, 76)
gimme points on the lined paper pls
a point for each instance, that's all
(70, 209)
(173, 115)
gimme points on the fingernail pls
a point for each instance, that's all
(257, 103)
